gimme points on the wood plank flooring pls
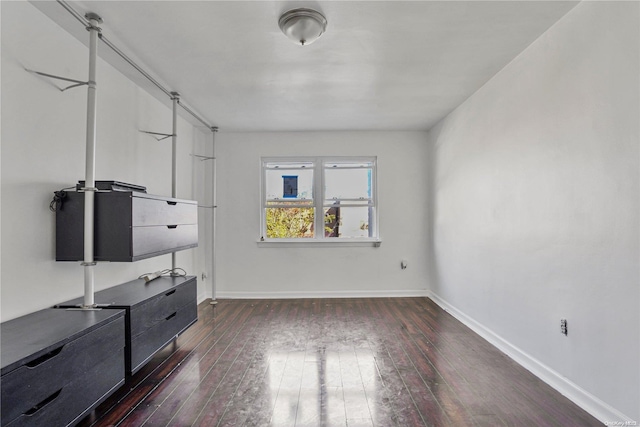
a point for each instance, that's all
(333, 362)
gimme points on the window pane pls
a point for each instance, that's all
(347, 221)
(296, 184)
(285, 223)
(347, 183)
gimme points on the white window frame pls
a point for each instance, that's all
(319, 163)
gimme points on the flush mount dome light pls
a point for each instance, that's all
(302, 26)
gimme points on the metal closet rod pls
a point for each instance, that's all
(167, 92)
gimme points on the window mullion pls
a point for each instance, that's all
(318, 200)
(263, 197)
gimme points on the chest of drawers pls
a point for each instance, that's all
(58, 365)
(129, 226)
(156, 312)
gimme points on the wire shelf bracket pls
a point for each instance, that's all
(156, 134)
(203, 158)
(77, 83)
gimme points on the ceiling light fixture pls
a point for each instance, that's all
(303, 26)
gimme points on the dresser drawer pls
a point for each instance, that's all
(145, 345)
(156, 310)
(147, 212)
(149, 241)
(70, 402)
(32, 383)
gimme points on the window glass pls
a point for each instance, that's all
(289, 223)
(347, 184)
(288, 184)
(347, 222)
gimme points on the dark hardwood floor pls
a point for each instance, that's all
(333, 362)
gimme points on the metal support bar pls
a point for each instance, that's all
(195, 116)
(174, 145)
(134, 65)
(73, 12)
(90, 162)
(175, 97)
(214, 202)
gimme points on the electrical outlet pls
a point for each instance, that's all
(563, 326)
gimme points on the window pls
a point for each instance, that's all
(335, 195)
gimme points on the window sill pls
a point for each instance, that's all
(273, 243)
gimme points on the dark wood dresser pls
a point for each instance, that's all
(129, 226)
(58, 365)
(156, 312)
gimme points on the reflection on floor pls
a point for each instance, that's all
(333, 362)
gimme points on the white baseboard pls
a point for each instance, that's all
(594, 406)
(203, 297)
(320, 294)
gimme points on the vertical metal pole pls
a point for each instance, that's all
(90, 176)
(175, 97)
(214, 204)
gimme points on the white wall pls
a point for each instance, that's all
(535, 208)
(43, 149)
(246, 270)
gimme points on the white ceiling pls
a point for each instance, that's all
(381, 65)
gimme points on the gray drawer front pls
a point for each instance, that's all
(162, 239)
(148, 212)
(28, 385)
(146, 345)
(68, 404)
(156, 310)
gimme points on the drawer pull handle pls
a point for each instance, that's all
(170, 293)
(42, 404)
(171, 315)
(172, 203)
(172, 226)
(44, 357)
